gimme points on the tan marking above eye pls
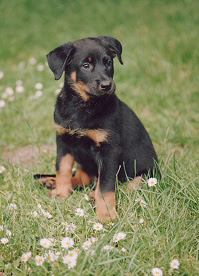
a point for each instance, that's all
(89, 59)
(97, 135)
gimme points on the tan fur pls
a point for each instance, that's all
(81, 178)
(135, 183)
(97, 135)
(105, 204)
(64, 178)
(80, 87)
(89, 59)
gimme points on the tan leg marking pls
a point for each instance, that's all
(135, 183)
(105, 204)
(81, 178)
(49, 181)
(64, 178)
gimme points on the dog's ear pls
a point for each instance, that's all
(59, 58)
(114, 45)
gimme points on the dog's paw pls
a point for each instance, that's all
(47, 181)
(59, 194)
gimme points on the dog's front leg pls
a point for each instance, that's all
(63, 177)
(105, 190)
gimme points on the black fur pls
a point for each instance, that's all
(128, 150)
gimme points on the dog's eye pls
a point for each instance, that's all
(86, 65)
(109, 62)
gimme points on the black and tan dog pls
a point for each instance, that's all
(93, 127)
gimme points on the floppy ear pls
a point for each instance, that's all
(59, 57)
(114, 45)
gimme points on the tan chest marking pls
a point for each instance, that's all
(80, 87)
(97, 135)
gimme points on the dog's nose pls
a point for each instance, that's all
(106, 85)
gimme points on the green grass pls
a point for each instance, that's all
(159, 81)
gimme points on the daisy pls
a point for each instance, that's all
(39, 260)
(152, 182)
(86, 197)
(1, 75)
(40, 67)
(19, 89)
(67, 242)
(25, 257)
(86, 245)
(32, 60)
(9, 91)
(79, 212)
(141, 221)
(73, 253)
(2, 103)
(123, 249)
(1, 227)
(38, 85)
(156, 271)
(51, 256)
(34, 214)
(4, 240)
(174, 264)
(142, 202)
(8, 233)
(12, 206)
(107, 247)
(71, 262)
(70, 227)
(119, 236)
(98, 226)
(2, 168)
(38, 94)
(46, 243)
(19, 82)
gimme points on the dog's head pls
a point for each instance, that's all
(88, 64)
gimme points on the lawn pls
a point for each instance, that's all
(159, 81)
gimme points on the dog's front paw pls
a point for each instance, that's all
(60, 194)
(105, 206)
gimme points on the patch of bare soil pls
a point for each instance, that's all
(27, 155)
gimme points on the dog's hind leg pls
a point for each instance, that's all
(47, 180)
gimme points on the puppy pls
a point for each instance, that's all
(93, 127)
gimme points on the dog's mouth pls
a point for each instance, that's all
(97, 91)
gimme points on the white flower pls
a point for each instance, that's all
(141, 220)
(38, 85)
(107, 247)
(25, 256)
(71, 262)
(70, 227)
(34, 214)
(86, 197)
(46, 243)
(142, 202)
(4, 240)
(38, 94)
(152, 182)
(67, 242)
(51, 256)
(57, 91)
(39, 260)
(79, 212)
(2, 103)
(92, 240)
(2, 168)
(97, 226)
(119, 236)
(12, 206)
(19, 89)
(73, 254)
(123, 249)
(8, 233)
(1, 227)
(86, 245)
(32, 60)
(156, 271)
(1, 75)
(40, 67)
(19, 82)
(174, 264)
(9, 91)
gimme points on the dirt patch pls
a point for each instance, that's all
(27, 155)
